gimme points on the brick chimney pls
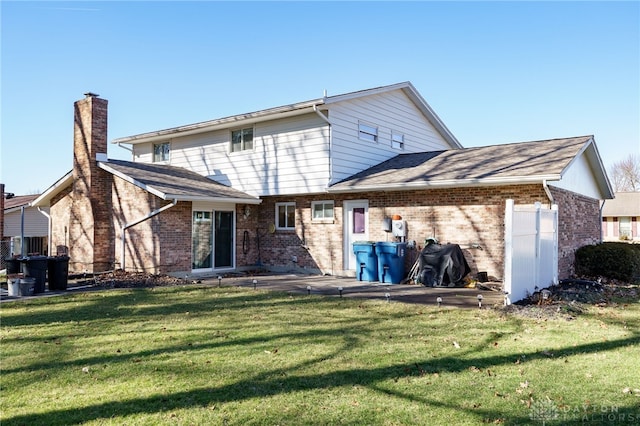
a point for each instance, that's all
(91, 235)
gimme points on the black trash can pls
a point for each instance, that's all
(13, 265)
(36, 267)
(58, 272)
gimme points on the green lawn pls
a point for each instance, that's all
(197, 355)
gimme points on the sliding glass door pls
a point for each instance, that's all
(213, 240)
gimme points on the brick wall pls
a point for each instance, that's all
(462, 216)
(160, 244)
(578, 225)
(60, 213)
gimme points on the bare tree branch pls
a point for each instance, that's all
(625, 174)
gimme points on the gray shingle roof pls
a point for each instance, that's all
(496, 164)
(169, 182)
(626, 204)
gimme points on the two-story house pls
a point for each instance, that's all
(292, 187)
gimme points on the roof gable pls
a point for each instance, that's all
(291, 110)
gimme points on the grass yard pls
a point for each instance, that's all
(198, 355)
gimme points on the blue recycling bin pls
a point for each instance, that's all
(391, 261)
(366, 261)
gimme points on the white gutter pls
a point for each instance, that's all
(142, 219)
(324, 117)
(48, 216)
(449, 183)
(222, 123)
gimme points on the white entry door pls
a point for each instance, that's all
(356, 228)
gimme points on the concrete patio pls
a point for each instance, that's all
(459, 297)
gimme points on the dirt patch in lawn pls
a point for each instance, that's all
(572, 297)
(121, 279)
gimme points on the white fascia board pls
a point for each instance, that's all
(16, 209)
(366, 92)
(426, 109)
(236, 120)
(455, 183)
(45, 198)
(252, 201)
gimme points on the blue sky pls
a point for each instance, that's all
(495, 72)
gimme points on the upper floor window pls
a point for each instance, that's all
(242, 139)
(161, 152)
(397, 140)
(367, 132)
(285, 216)
(322, 210)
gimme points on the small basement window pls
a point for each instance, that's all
(286, 216)
(367, 132)
(242, 139)
(322, 211)
(161, 152)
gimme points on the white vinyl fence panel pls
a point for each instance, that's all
(531, 250)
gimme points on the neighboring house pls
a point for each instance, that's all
(25, 229)
(292, 187)
(620, 217)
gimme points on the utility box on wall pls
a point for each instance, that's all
(399, 228)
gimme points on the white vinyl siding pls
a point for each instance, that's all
(35, 223)
(391, 110)
(579, 178)
(289, 156)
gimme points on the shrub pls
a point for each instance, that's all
(612, 260)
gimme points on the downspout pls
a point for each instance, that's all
(22, 253)
(125, 148)
(548, 192)
(142, 219)
(324, 117)
(602, 225)
(48, 216)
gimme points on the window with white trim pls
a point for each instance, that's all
(242, 139)
(397, 140)
(286, 216)
(367, 132)
(322, 211)
(161, 152)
